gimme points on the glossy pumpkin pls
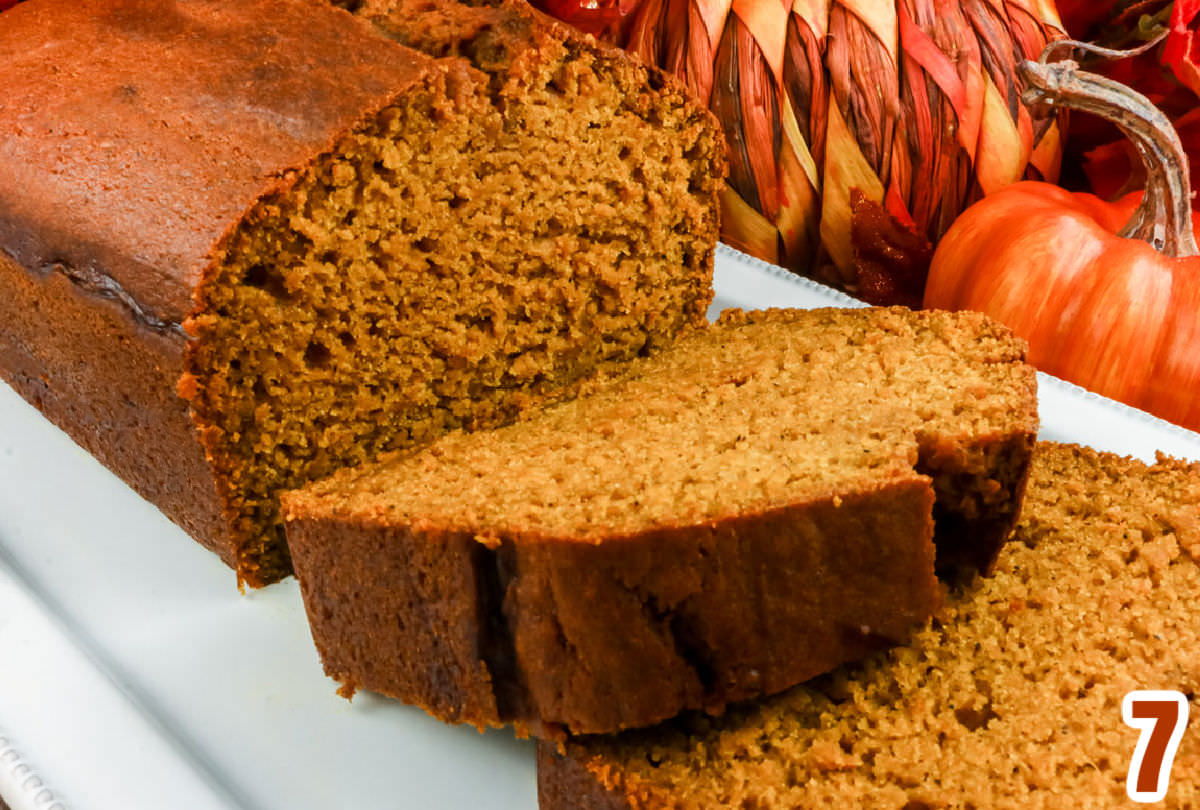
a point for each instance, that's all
(1117, 314)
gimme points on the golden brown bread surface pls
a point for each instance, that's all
(741, 512)
(1010, 699)
(295, 243)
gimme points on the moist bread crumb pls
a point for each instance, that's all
(736, 514)
(1011, 698)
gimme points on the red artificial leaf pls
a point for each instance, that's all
(1182, 49)
(1114, 169)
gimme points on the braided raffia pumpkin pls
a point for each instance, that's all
(854, 126)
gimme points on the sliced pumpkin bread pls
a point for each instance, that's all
(1010, 698)
(737, 514)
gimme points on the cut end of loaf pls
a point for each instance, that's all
(472, 248)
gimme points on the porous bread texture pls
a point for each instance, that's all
(1010, 698)
(464, 253)
(729, 517)
(765, 408)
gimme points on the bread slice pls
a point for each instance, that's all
(1011, 698)
(294, 243)
(744, 511)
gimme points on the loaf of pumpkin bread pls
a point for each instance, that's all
(1010, 699)
(727, 518)
(244, 244)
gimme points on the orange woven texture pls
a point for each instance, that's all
(913, 104)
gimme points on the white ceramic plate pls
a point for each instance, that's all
(133, 675)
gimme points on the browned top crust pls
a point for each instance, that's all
(192, 138)
(488, 33)
(453, 29)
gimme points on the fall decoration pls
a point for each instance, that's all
(1153, 46)
(913, 104)
(1107, 295)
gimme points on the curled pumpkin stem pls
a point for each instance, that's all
(1164, 217)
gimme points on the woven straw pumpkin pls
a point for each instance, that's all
(853, 125)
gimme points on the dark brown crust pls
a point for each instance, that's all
(488, 33)
(102, 377)
(565, 783)
(718, 613)
(420, 624)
